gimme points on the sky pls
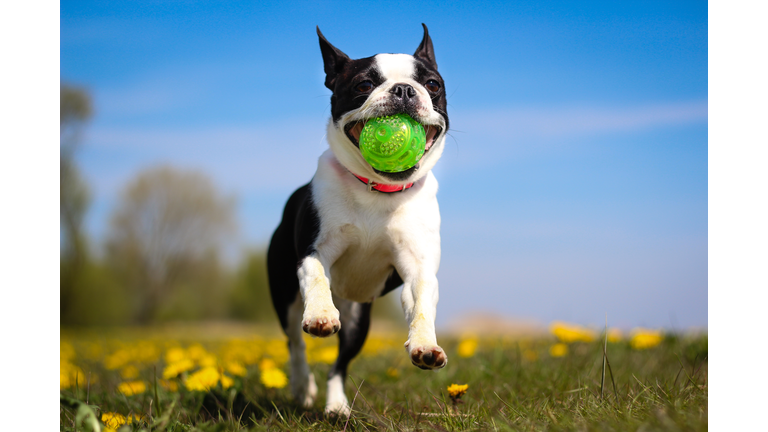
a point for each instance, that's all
(574, 180)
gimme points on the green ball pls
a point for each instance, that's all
(393, 143)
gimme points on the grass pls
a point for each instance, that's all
(513, 385)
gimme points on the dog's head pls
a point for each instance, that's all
(381, 85)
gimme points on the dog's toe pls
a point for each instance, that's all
(321, 327)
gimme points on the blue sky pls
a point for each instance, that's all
(574, 182)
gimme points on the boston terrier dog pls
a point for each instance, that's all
(354, 233)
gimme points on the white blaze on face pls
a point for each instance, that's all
(396, 67)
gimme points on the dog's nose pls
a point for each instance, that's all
(403, 91)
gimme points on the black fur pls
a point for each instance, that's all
(293, 240)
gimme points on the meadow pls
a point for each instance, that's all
(231, 380)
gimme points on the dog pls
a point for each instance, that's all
(354, 233)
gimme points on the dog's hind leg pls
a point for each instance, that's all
(303, 384)
(355, 319)
(284, 289)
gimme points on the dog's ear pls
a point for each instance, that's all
(425, 50)
(333, 60)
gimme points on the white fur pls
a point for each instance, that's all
(336, 400)
(303, 384)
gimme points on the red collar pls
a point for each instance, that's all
(386, 188)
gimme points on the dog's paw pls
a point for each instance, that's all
(304, 389)
(428, 357)
(339, 408)
(321, 326)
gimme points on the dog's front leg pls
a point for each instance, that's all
(419, 299)
(321, 318)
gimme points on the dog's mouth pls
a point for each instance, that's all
(354, 129)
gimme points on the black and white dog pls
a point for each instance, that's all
(355, 233)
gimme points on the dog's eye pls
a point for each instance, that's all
(432, 85)
(364, 87)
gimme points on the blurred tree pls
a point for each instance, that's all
(75, 110)
(250, 298)
(164, 242)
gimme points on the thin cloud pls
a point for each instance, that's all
(240, 159)
(557, 122)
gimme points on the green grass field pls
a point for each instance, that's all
(165, 381)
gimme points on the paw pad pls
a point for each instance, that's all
(429, 357)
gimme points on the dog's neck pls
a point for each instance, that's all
(381, 187)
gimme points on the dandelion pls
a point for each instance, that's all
(118, 359)
(558, 350)
(66, 351)
(206, 378)
(235, 368)
(393, 373)
(456, 391)
(130, 388)
(467, 347)
(175, 355)
(568, 333)
(273, 378)
(69, 374)
(277, 350)
(113, 420)
(174, 369)
(644, 338)
(325, 355)
(208, 360)
(267, 363)
(196, 352)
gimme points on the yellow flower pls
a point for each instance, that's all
(392, 372)
(467, 347)
(568, 333)
(457, 390)
(273, 378)
(175, 355)
(226, 382)
(267, 363)
(113, 420)
(324, 355)
(69, 374)
(196, 352)
(207, 360)
(130, 388)
(206, 378)
(644, 338)
(174, 369)
(278, 350)
(235, 368)
(558, 350)
(66, 351)
(117, 359)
